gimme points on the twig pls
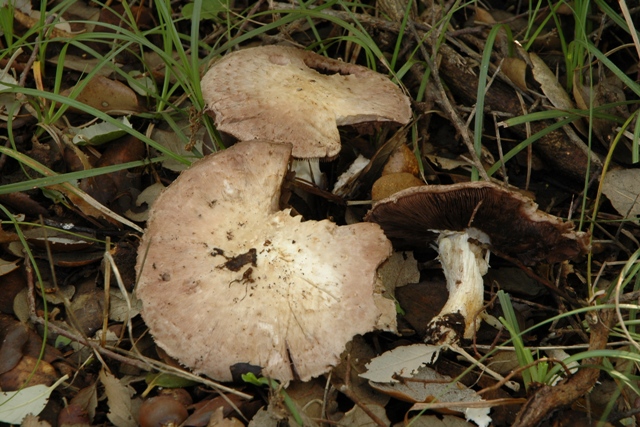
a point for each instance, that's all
(34, 54)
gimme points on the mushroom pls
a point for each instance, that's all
(464, 219)
(227, 278)
(284, 94)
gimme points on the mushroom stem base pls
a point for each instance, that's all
(463, 265)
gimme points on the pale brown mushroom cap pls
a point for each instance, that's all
(513, 222)
(284, 94)
(302, 292)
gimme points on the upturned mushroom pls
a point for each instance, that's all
(288, 95)
(464, 219)
(227, 278)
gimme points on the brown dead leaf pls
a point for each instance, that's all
(107, 95)
(622, 188)
(10, 285)
(358, 417)
(87, 399)
(402, 160)
(84, 65)
(552, 88)
(205, 410)
(390, 184)
(357, 354)
(218, 420)
(116, 190)
(608, 91)
(13, 338)
(435, 421)
(427, 385)
(516, 70)
(33, 421)
(123, 410)
(399, 270)
(29, 369)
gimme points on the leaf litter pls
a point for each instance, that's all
(94, 334)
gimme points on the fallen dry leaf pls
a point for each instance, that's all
(123, 410)
(107, 95)
(622, 188)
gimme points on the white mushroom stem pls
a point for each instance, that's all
(463, 265)
(309, 170)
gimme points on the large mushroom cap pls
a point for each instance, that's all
(226, 277)
(285, 94)
(513, 222)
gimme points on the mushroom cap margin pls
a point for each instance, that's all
(512, 221)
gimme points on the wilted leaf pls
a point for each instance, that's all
(15, 405)
(516, 70)
(357, 417)
(390, 184)
(13, 337)
(107, 95)
(121, 406)
(148, 196)
(218, 420)
(7, 267)
(171, 141)
(33, 421)
(622, 188)
(549, 84)
(427, 385)
(87, 400)
(399, 270)
(30, 370)
(608, 91)
(401, 361)
(84, 65)
(552, 88)
(119, 309)
(435, 421)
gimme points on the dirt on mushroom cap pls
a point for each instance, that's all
(285, 94)
(226, 277)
